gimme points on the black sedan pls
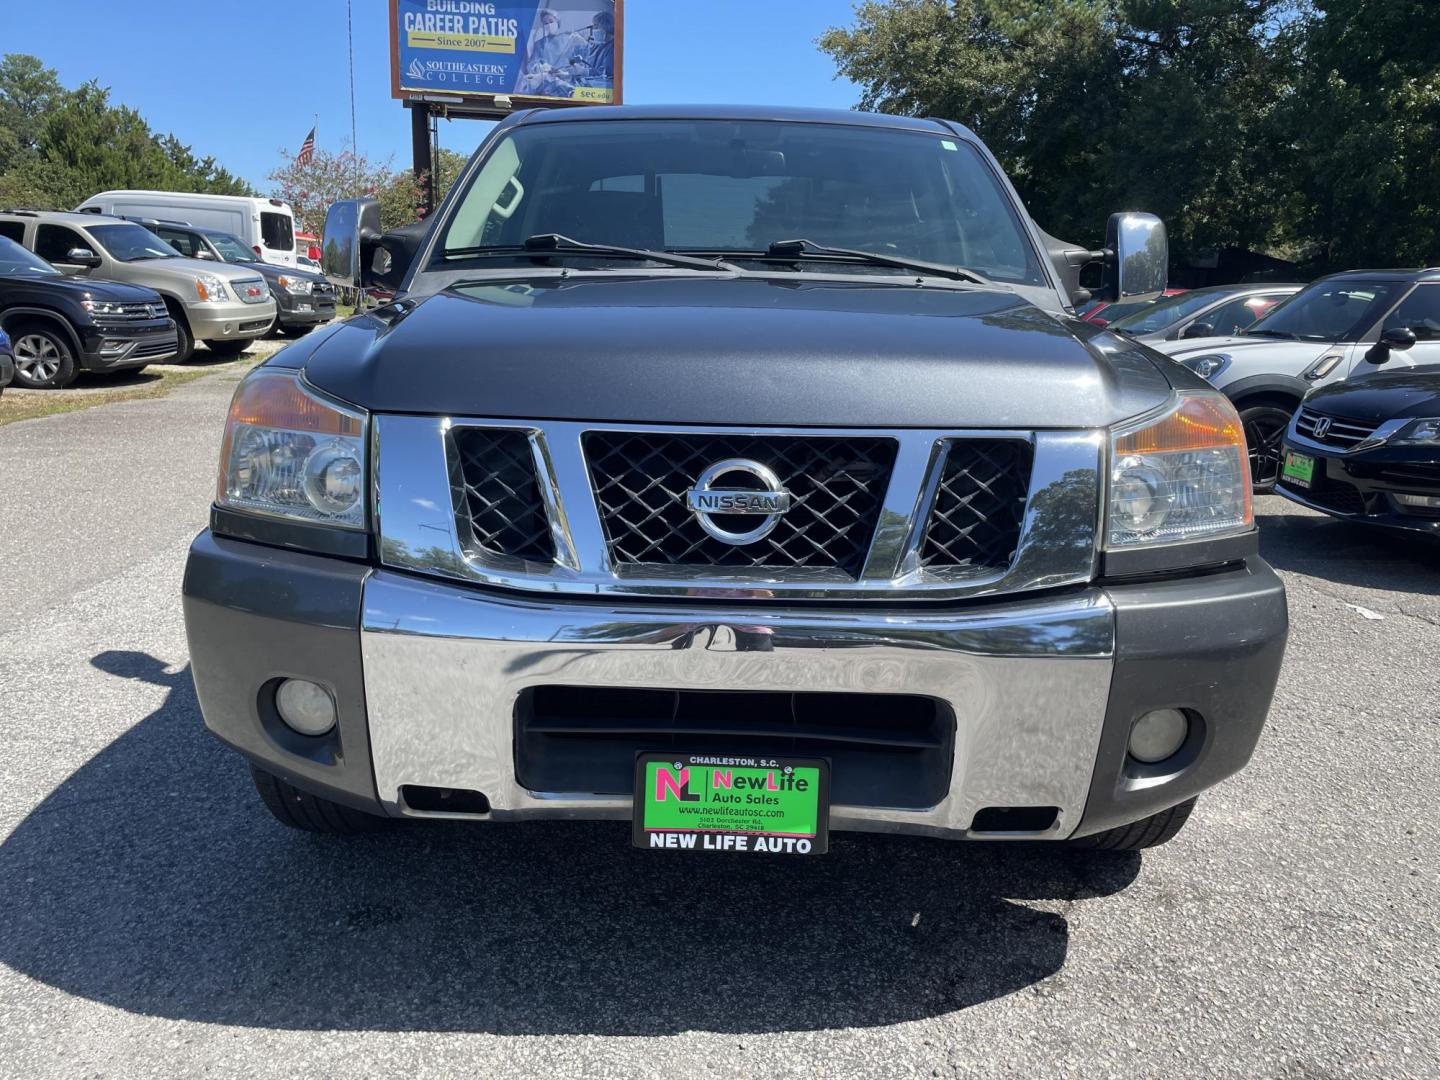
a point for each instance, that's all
(1368, 449)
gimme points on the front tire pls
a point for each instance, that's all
(229, 348)
(1146, 833)
(298, 809)
(1264, 428)
(44, 359)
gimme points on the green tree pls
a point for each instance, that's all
(1363, 134)
(1094, 106)
(329, 177)
(58, 146)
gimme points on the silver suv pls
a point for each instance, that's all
(226, 307)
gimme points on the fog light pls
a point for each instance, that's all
(305, 706)
(1158, 734)
(1429, 502)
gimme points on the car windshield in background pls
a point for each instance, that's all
(15, 259)
(1329, 311)
(735, 187)
(1164, 313)
(232, 248)
(131, 243)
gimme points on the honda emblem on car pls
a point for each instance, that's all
(1322, 427)
(707, 499)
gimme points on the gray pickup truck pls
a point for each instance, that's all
(744, 475)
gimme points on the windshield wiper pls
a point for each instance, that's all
(1269, 333)
(558, 244)
(802, 249)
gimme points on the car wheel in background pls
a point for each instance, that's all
(1264, 428)
(43, 357)
(229, 348)
(185, 345)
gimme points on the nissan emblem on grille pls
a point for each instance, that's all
(707, 501)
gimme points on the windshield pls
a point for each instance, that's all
(1165, 313)
(735, 187)
(1330, 311)
(14, 259)
(231, 248)
(131, 243)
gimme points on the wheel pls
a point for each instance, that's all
(44, 359)
(228, 348)
(310, 813)
(1264, 428)
(186, 342)
(1146, 833)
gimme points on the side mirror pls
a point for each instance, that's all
(1137, 260)
(204, 253)
(82, 256)
(356, 254)
(1199, 329)
(349, 226)
(1398, 337)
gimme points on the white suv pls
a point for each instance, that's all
(1321, 334)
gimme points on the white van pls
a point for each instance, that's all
(267, 225)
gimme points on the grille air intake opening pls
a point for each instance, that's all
(439, 800)
(498, 508)
(1016, 819)
(885, 749)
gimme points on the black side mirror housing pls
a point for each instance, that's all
(1398, 337)
(356, 254)
(1199, 329)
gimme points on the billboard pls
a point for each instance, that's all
(542, 51)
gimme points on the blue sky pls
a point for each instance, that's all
(243, 80)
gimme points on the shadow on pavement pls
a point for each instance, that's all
(153, 880)
(1346, 553)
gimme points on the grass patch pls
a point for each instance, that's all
(155, 381)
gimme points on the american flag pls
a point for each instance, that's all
(307, 149)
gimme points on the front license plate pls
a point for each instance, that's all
(704, 802)
(1298, 469)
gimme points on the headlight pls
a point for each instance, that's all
(295, 286)
(1207, 367)
(288, 453)
(102, 307)
(208, 287)
(1418, 432)
(1182, 476)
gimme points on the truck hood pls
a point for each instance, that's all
(1383, 395)
(726, 350)
(82, 288)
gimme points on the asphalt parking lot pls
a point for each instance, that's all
(155, 921)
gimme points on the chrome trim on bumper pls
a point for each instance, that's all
(418, 530)
(1379, 437)
(1028, 683)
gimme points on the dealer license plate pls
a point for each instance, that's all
(1299, 469)
(705, 802)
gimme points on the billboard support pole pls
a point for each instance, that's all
(420, 151)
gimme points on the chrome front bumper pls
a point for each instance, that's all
(1028, 683)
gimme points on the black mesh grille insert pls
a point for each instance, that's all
(979, 505)
(497, 499)
(837, 486)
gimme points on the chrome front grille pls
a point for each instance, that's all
(640, 480)
(251, 290)
(131, 313)
(873, 514)
(1331, 430)
(497, 498)
(979, 505)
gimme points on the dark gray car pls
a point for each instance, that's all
(743, 474)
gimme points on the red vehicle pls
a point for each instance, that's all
(1103, 314)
